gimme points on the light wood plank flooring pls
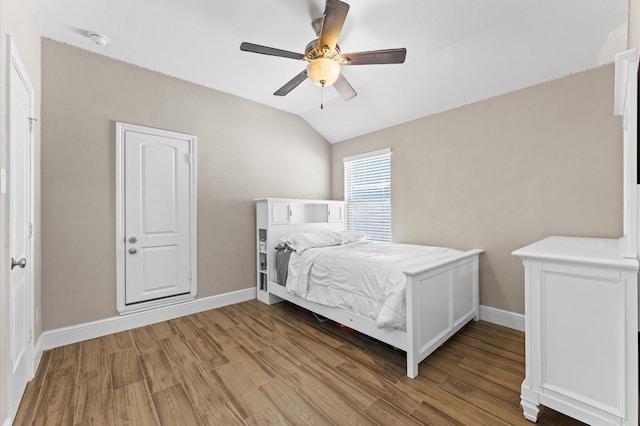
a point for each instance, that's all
(255, 364)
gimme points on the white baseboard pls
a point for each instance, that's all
(37, 352)
(90, 330)
(502, 317)
(7, 422)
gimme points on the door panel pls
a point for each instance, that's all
(19, 326)
(158, 188)
(157, 216)
(159, 279)
(19, 241)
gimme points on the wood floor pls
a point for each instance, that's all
(256, 364)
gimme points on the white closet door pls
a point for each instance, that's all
(20, 239)
(157, 216)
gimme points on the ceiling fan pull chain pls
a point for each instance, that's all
(322, 96)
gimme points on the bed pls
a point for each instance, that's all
(439, 297)
(370, 282)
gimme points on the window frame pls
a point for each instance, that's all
(376, 229)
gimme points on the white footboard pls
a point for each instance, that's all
(441, 299)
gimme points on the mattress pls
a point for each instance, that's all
(363, 277)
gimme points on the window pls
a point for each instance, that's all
(367, 193)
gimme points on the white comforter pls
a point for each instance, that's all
(363, 277)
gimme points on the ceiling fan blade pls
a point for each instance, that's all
(264, 50)
(291, 84)
(344, 88)
(335, 13)
(385, 56)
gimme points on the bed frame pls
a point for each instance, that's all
(441, 297)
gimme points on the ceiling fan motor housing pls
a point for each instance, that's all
(315, 51)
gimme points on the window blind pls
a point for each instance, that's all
(367, 193)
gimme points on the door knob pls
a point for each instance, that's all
(133, 251)
(22, 263)
(133, 240)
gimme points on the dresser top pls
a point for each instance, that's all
(594, 251)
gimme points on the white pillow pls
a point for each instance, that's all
(305, 240)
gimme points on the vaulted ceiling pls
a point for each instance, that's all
(458, 51)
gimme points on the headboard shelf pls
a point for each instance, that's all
(276, 217)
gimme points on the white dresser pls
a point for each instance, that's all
(581, 302)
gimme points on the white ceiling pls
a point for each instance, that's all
(458, 51)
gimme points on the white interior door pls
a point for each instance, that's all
(158, 204)
(20, 223)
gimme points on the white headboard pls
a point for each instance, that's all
(277, 217)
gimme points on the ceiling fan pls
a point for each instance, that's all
(324, 56)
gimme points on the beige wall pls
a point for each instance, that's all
(17, 19)
(245, 151)
(505, 172)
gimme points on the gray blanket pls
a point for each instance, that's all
(283, 253)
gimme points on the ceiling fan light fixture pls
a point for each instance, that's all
(323, 55)
(323, 71)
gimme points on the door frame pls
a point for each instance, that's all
(14, 61)
(122, 307)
